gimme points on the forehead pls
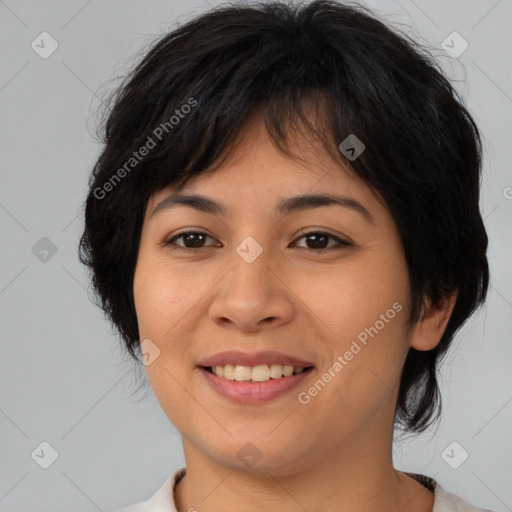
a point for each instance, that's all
(260, 182)
(254, 168)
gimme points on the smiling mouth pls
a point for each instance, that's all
(259, 373)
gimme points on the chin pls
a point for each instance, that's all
(259, 456)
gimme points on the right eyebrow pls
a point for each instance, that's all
(285, 206)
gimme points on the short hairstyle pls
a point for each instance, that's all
(336, 70)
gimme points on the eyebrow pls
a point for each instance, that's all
(285, 206)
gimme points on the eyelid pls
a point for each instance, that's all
(199, 231)
(341, 241)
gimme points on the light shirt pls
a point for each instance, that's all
(163, 499)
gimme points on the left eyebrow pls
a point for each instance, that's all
(284, 207)
(310, 201)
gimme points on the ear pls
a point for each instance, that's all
(430, 327)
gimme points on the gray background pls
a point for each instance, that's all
(64, 380)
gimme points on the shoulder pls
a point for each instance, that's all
(162, 500)
(445, 501)
(448, 502)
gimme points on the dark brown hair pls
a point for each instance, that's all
(193, 90)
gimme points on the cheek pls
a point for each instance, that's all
(349, 297)
(168, 304)
(160, 304)
(163, 295)
(361, 310)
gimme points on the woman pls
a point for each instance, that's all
(284, 226)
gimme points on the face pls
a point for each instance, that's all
(326, 284)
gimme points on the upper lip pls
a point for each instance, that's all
(239, 357)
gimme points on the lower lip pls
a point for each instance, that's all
(253, 393)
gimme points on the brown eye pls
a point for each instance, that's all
(191, 240)
(318, 241)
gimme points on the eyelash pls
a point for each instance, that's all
(341, 243)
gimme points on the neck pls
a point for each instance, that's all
(356, 476)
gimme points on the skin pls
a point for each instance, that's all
(335, 452)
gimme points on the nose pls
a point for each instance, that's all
(253, 295)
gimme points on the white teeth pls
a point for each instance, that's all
(229, 371)
(287, 370)
(242, 372)
(276, 371)
(259, 373)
